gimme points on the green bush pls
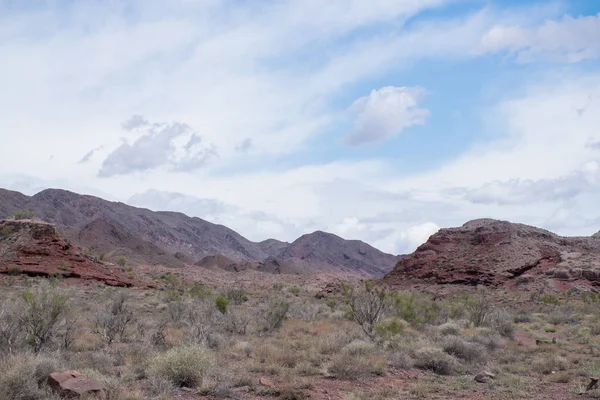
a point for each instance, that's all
(13, 271)
(222, 303)
(199, 291)
(389, 328)
(295, 290)
(550, 299)
(121, 261)
(183, 366)
(415, 308)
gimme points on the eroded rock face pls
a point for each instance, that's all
(73, 384)
(492, 252)
(36, 248)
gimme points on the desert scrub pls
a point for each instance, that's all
(466, 351)
(366, 304)
(350, 367)
(183, 366)
(449, 328)
(436, 360)
(222, 303)
(389, 328)
(23, 377)
(415, 308)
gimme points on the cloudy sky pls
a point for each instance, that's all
(379, 120)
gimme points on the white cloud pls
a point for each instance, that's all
(174, 145)
(567, 40)
(517, 191)
(385, 113)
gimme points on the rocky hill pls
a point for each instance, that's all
(492, 252)
(174, 239)
(328, 252)
(36, 248)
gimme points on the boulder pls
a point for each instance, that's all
(73, 384)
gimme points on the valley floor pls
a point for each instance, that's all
(278, 341)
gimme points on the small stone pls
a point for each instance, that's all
(264, 381)
(484, 377)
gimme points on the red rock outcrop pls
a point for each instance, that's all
(73, 384)
(35, 248)
(492, 252)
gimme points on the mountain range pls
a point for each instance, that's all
(142, 236)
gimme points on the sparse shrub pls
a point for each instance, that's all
(359, 348)
(121, 262)
(236, 294)
(523, 316)
(275, 314)
(400, 360)
(13, 271)
(237, 321)
(222, 303)
(245, 348)
(367, 304)
(333, 342)
(550, 299)
(176, 309)
(331, 302)
(449, 328)
(159, 387)
(23, 377)
(488, 338)
(173, 295)
(295, 290)
(25, 214)
(348, 367)
(502, 322)
(214, 341)
(480, 307)
(563, 315)
(10, 327)
(158, 338)
(550, 363)
(112, 323)
(43, 308)
(183, 366)
(594, 329)
(436, 360)
(467, 351)
(202, 320)
(389, 328)
(199, 291)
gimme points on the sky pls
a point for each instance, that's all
(378, 120)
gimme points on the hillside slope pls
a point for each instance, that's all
(174, 239)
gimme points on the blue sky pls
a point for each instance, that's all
(376, 120)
